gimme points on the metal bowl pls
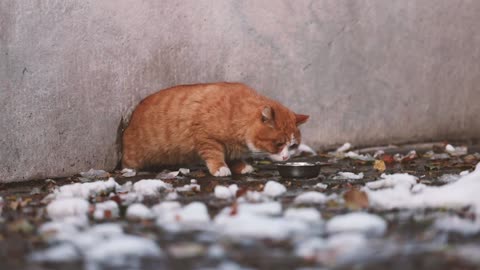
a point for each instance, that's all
(298, 169)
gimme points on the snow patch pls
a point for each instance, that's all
(86, 190)
(349, 176)
(354, 155)
(119, 250)
(150, 187)
(171, 216)
(456, 151)
(104, 243)
(67, 207)
(320, 186)
(392, 180)
(126, 172)
(226, 193)
(139, 211)
(455, 195)
(309, 215)
(457, 225)
(107, 209)
(357, 222)
(310, 197)
(331, 251)
(258, 226)
(274, 189)
(345, 147)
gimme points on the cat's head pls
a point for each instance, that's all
(275, 132)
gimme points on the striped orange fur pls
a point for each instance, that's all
(219, 123)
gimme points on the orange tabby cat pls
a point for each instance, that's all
(218, 123)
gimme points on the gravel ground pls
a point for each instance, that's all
(264, 222)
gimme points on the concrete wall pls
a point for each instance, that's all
(368, 72)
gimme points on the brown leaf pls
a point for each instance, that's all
(21, 226)
(107, 214)
(388, 159)
(470, 159)
(241, 192)
(15, 204)
(379, 165)
(234, 210)
(355, 199)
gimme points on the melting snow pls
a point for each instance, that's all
(85, 190)
(192, 187)
(274, 189)
(334, 249)
(150, 187)
(320, 186)
(457, 225)
(357, 222)
(345, 147)
(349, 175)
(119, 250)
(309, 215)
(107, 209)
(223, 192)
(67, 207)
(258, 226)
(126, 172)
(139, 211)
(310, 197)
(354, 155)
(104, 243)
(173, 217)
(462, 193)
(392, 180)
(456, 151)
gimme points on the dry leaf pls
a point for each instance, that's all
(234, 209)
(355, 199)
(388, 159)
(379, 165)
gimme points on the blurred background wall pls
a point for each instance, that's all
(368, 72)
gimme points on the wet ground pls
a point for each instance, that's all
(408, 243)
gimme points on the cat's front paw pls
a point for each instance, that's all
(222, 171)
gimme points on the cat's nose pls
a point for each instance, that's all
(285, 158)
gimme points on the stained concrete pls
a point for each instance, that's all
(369, 72)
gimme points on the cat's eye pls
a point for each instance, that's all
(280, 144)
(293, 146)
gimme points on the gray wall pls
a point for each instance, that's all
(369, 72)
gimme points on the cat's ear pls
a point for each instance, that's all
(301, 118)
(268, 115)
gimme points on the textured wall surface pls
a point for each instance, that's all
(368, 72)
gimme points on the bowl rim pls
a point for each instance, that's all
(300, 164)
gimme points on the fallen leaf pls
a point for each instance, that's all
(241, 192)
(24, 202)
(355, 199)
(470, 159)
(379, 165)
(21, 226)
(388, 159)
(234, 209)
(107, 214)
(14, 205)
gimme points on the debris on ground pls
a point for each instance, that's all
(376, 208)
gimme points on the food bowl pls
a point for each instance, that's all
(298, 169)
